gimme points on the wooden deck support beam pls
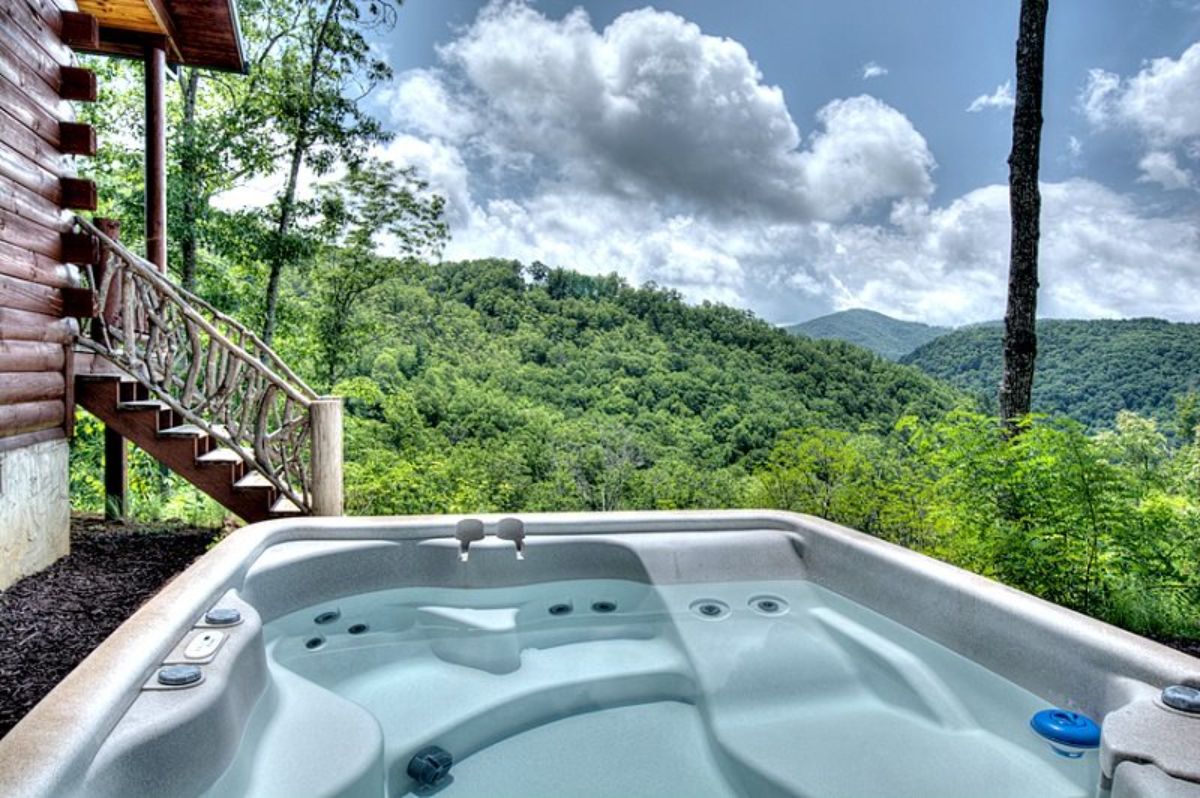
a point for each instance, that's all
(116, 451)
(116, 476)
(155, 66)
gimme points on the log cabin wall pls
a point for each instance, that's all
(39, 190)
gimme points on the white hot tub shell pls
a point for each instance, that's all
(908, 625)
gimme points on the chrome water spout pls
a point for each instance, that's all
(513, 529)
(467, 531)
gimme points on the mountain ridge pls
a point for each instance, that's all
(884, 335)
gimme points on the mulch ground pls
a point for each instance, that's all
(51, 620)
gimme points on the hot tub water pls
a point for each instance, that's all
(614, 687)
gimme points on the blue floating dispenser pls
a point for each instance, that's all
(1069, 733)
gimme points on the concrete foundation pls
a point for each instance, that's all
(35, 509)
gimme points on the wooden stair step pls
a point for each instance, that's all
(178, 446)
(220, 455)
(144, 404)
(183, 431)
(285, 506)
(253, 479)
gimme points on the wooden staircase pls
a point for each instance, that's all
(126, 407)
(201, 393)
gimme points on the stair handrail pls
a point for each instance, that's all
(267, 411)
(149, 271)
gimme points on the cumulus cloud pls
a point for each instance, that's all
(1002, 97)
(653, 108)
(866, 151)
(1160, 101)
(1162, 168)
(1161, 104)
(1100, 257)
(654, 150)
(422, 102)
(873, 70)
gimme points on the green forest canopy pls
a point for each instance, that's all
(1087, 370)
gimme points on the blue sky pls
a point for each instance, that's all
(802, 157)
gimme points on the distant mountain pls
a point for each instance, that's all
(891, 338)
(1085, 369)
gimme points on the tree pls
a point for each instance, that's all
(223, 126)
(374, 200)
(326, 69)
(1025, 203)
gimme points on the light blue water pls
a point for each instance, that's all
(752, 689)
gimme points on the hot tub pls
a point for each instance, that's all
(628, 654)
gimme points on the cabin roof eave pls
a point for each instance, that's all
(196, 33)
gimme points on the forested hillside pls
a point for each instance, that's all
(472, 387)
(1088, 370)
(891, 338)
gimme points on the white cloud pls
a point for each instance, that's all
(420, 101)
(1100, 257)
(653, 108)
(1002, 97)
(261, 191)
(1097, 98)
(1161, 101)
(867, 151)
(1074, 147)
(1162, 168)
(442, 165)
(873, 70)
(1161, 104)
(658, 152)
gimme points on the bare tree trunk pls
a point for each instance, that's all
(279, 256)
(1025, 204)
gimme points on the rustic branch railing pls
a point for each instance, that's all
(213, 372)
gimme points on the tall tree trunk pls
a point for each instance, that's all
(190, 202)
(1025, 204)
(279, 255)
(287, 207)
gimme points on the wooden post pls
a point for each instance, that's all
(325, 416)
(116, 476)
(155, 67)
(116, 452)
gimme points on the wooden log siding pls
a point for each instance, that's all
(39, 78)
(17, 357)
(77, 84)
(17, 419)
(18, 388)
(77, 139)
